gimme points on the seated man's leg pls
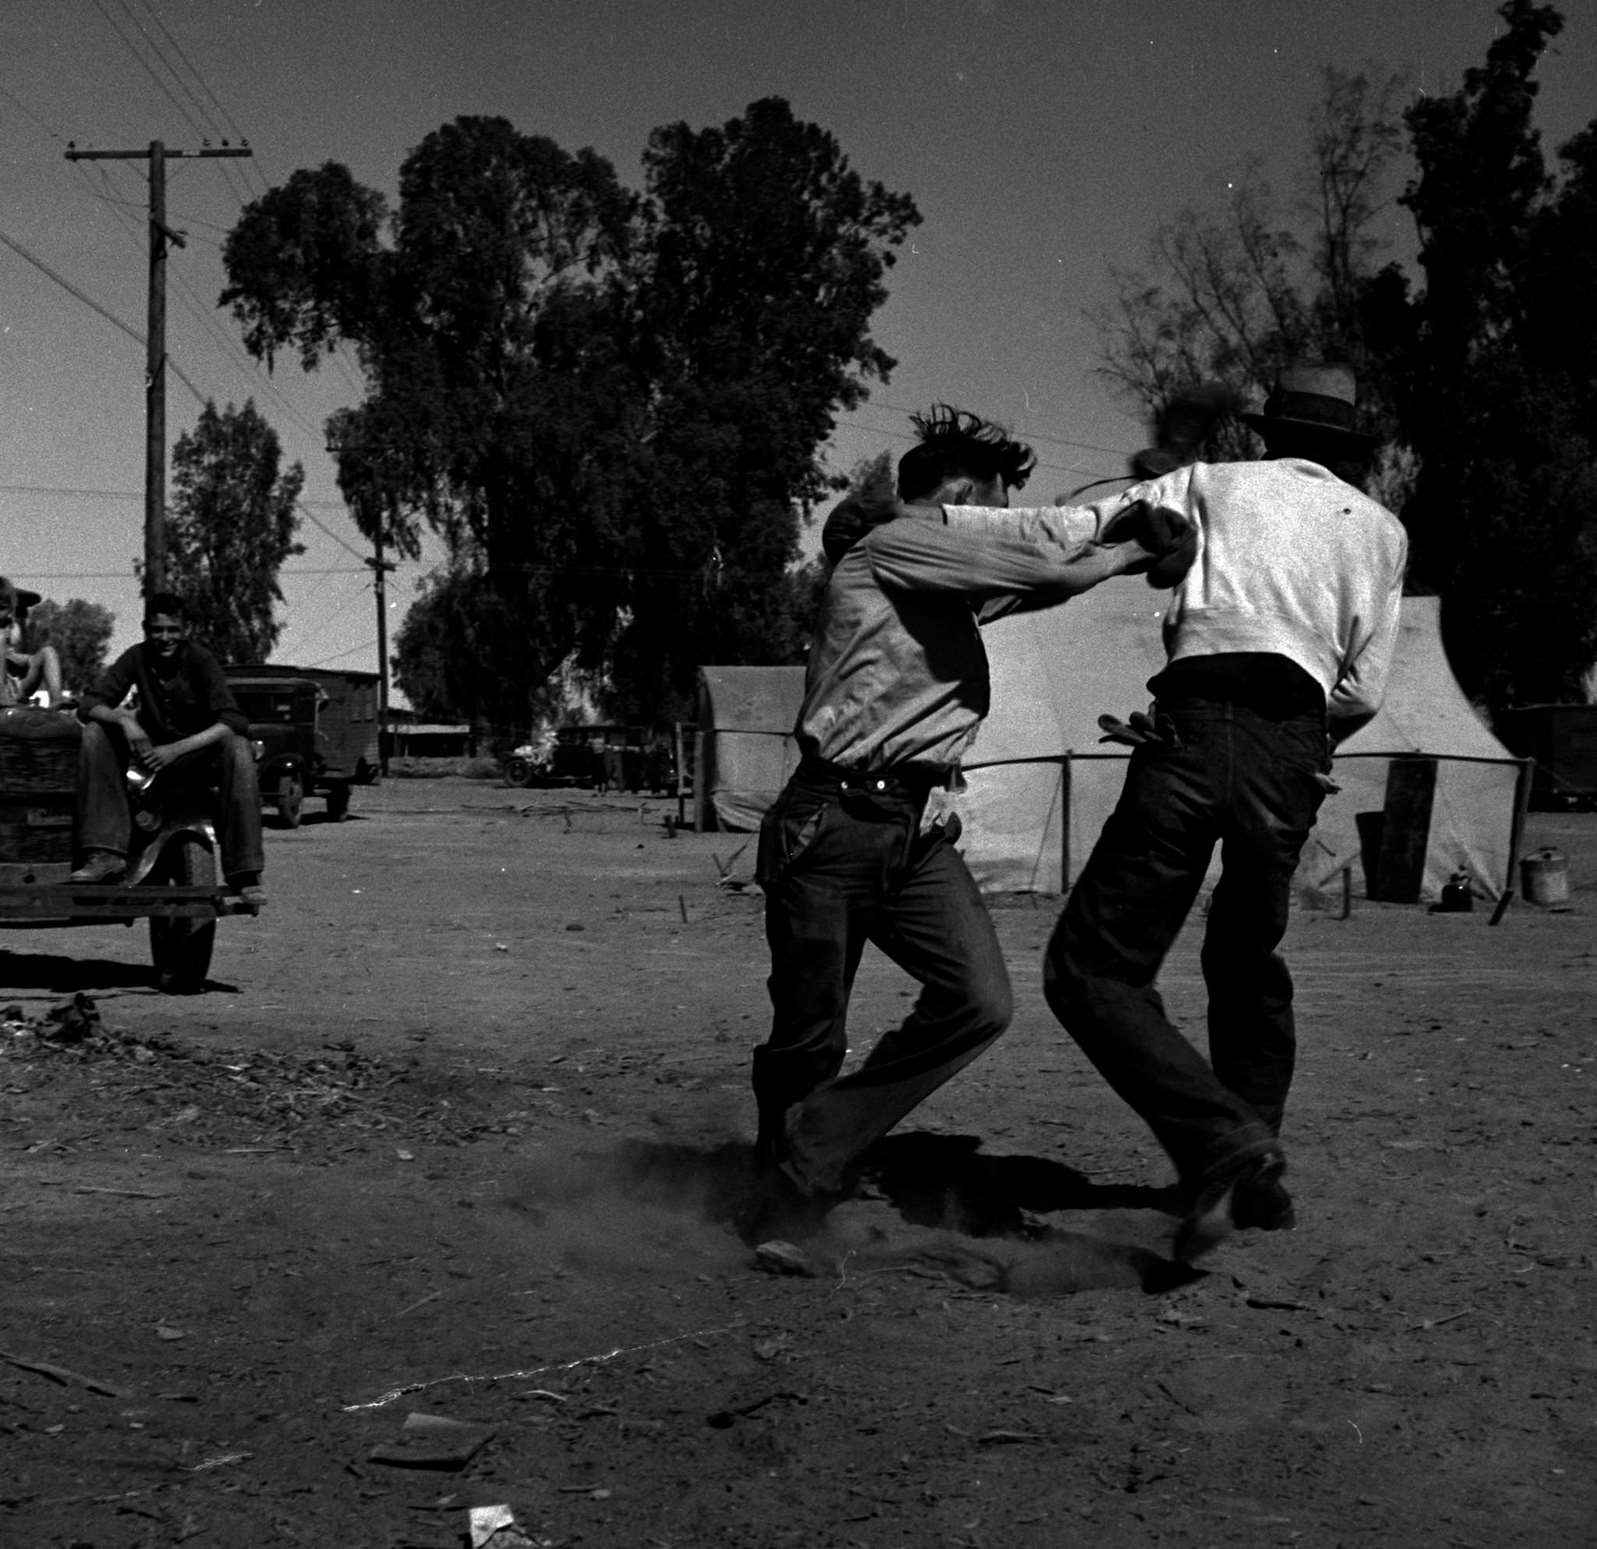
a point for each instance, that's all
(104, 824)
(238, 818)
(935, 926)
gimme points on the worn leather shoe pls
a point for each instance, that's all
(101, 866)
(1216, 1212)
(1264, 1206)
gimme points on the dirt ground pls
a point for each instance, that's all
(431, 1203)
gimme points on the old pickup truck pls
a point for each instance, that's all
(172, 866)
(315, 734)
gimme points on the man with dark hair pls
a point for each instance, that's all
(164, 708)
(1279, 637)
(857, 848)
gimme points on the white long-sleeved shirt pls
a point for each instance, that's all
(1290, 560)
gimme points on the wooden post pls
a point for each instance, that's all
(1066, 770)
(155, 343)
(1405, 829)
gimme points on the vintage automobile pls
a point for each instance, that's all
(601, 758)
(315, 734)
(172, 872)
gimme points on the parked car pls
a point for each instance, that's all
(527, 764)
(602, 758)
(315, 734)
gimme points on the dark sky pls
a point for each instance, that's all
(1043, 141)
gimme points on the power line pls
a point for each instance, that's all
(124, 494)
(165, 90)
(89, 301)
(123, 575)
(7, 92)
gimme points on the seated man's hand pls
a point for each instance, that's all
(159, 756)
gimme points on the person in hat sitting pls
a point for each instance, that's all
(24, 672)
(187, 727)
(1279, 637)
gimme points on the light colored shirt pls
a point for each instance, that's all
(1290, 560)
(1293, 561)
(897, 672)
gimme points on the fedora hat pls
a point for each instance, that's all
(1313, 396)
(14, 600)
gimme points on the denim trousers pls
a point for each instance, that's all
(1221, 774)
(105, 821)
(841, 866)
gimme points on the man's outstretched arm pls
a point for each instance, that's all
(1037, 563)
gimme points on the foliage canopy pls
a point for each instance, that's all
(1480, 374)
(230, 527)
(608, 404)
(81, 633)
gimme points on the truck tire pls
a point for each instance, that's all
(290, 800)
(180, 949)
(518, 771)
(338, 801)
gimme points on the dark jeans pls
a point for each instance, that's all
(843, 865)
(105, 821)
(1224, 774)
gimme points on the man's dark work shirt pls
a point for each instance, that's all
(190, 697)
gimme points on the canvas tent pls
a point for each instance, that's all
(1426, 789)
(745, 745)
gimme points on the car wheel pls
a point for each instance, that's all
(180, 948)
(518, 771)
(290, 799)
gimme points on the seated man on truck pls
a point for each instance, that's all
(186, 721)
(24, 673)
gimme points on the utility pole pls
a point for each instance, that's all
(155, 345)
(380, 568)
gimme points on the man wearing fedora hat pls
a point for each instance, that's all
(24, 672)
(1279, 636)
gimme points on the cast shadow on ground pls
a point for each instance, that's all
(938, 1204)
(949, 1181)
(25, 971)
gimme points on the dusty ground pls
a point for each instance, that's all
(460, 1130)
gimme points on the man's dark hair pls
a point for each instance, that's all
(168, 603)
(957, 444)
